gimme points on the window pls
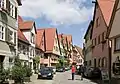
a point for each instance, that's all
(94, 62)
(99, 62)
(97, 22)
(95, 41)
(11, 10)
(104, 62)
(2, 33)
(117, 43)
(99, 39)
(89, 62)
(2, 4)
(32, 38)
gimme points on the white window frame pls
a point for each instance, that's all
(11, 29)
(12, 10)
(2, 32)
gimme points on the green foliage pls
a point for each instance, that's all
(37, 59)
(18, 71)
(28, 71)
(4, 74)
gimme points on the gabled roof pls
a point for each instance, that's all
(22, 37)
(79, 50)
(20, 20)
(49, 39)
(89, 27)
(106, 7)
(39, 36)
(26, 25)
(112, 18)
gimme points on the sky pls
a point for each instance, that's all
(68, 16)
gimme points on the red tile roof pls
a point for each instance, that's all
(49, 38)
(22, 37)
(20, 20)
(26, 25)
(39, 36)
(106, 7)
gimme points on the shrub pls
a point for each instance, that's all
(28, 71)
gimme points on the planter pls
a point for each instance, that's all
(27, 79)
(18, 82)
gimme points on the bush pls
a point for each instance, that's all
(18, 73)
(28, 71)
(4, 75)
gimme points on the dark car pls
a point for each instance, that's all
(92, 72)
(60, 69)
(45, 73)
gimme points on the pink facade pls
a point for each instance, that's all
(100, 44)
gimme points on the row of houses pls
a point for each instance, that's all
(102, 38)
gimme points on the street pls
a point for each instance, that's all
(61, 78)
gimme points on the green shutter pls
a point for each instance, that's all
(6, 34)
(14, 37)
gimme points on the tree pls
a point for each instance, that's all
(61, 61)
(36, 61)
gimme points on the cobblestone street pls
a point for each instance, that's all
(61, 78)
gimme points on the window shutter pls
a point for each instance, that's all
(6, 34)
(15, 12)
(15, 38)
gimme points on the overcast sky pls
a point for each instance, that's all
(68, 16)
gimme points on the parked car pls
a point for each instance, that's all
(67, 68)
(91, 72)
(60, 69)
(53, 69)
(45, 73)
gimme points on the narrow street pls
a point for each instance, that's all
(61, 78)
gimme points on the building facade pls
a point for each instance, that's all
(114, 37)
(8, 31)
(87, 46)
(28, 29)
(78, 57)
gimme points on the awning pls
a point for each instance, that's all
(4, 49)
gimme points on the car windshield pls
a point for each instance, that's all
(45, 70)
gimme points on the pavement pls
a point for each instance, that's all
(61, 78)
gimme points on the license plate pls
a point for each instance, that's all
(44, 76)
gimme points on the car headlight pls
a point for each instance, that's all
(49, 74)
(39, 73)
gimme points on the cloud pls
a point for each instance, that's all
(57, 11)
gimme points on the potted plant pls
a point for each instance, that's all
(18, 72)
(28, 72)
